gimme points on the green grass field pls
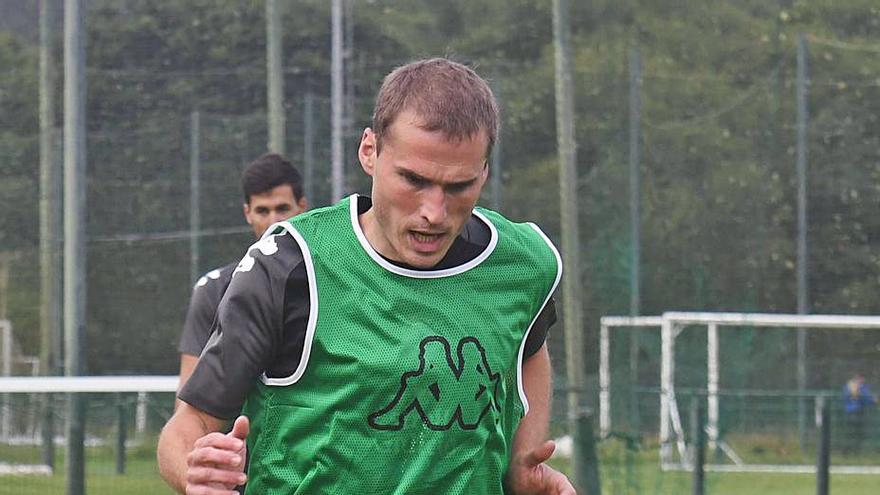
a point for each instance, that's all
(141, 476)
(626, 472)
(96, 483)
(622, 473)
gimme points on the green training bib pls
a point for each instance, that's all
(409, 381)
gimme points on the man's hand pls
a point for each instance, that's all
(529, 475)
(216, 464)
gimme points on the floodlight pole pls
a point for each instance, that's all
(195, 220)
(336, 102)
(586, 475)
(74, 230)
(50, 227)
(495, 167)
(803, 305)
(309, 145)
(275, 78)
(347, 73)
(635, 117)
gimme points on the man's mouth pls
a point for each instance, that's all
(426, 242)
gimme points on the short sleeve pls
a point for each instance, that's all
(247, 331)
(202, 309)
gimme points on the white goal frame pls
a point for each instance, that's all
(142, 385)
(670, 325)
(8, 359)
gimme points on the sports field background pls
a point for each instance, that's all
(700, 99)
(638, 474)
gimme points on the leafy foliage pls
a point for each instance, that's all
(717, 170)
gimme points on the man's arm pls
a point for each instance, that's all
(528, 474)
(535, 426)
(188, 363)
(194, 457)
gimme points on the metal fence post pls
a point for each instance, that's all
(585, 442)
(823, 450)
(698, 437)
(120, 433)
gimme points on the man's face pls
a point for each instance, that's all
(424, 190)
(272, 206)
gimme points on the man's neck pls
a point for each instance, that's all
(468, 244)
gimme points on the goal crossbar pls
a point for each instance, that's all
(772, 320)
(77, 384)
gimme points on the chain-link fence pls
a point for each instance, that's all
(701, 101)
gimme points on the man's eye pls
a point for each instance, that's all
(457, 188)
(416, 181)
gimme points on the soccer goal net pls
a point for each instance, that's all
(121, 420)
(760, 378)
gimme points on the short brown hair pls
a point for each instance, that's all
(448, 96)
(268, 172)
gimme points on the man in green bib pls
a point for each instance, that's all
(391, 344)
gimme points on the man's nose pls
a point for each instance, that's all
(433, 206)
(278, 216)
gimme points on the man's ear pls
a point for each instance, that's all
(367, 151)
(246, 209)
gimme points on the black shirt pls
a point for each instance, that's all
(202, 309)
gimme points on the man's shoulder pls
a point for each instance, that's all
(321, 214)
(209, 290)
(218, 277)
(526, 234)
(277, 253)
(525, 244)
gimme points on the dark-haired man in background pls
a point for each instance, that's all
(273, 191)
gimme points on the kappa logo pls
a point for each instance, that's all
(444, 390)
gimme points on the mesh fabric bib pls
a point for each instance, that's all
(409, 383)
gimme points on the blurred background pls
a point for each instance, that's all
(696, 125)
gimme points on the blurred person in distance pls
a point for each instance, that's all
(857, 401)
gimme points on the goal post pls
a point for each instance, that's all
(12, 363)
(606, 324)
(5, 370)
(670, 432)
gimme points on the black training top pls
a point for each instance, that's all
(269, 316)
(202, 309)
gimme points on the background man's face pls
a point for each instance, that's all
(272, 206)
(424, 190)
